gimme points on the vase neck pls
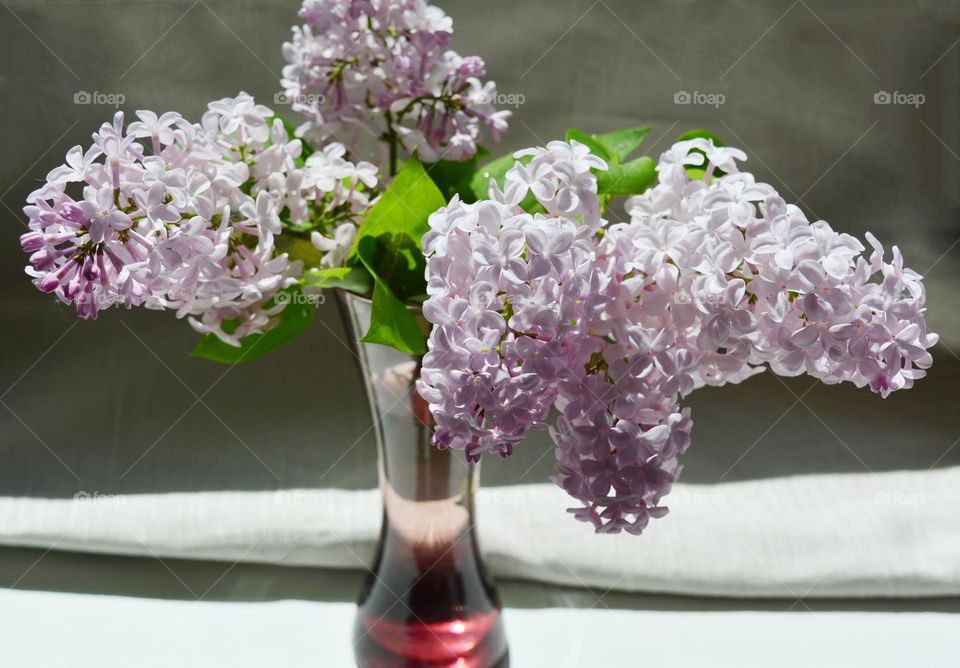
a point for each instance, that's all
(428, 493)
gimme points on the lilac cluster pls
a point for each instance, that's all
(764, 285)
(597, 331)
(168, 214)
(385, 66)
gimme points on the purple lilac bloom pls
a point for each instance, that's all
(167, 214)
(384, 66)
(612, 325)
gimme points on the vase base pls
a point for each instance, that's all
(477, 641)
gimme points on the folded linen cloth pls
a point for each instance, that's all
(891, 534)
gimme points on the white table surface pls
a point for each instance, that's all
(44, 629)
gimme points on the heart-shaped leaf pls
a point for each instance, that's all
(621, 143)
(351, 279)
(395, 225)
(391, 322)
(631, 178)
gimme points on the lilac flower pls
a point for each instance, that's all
(384, 66)
(189, 222)
(711, 280)
(535, 339)
(559, 177)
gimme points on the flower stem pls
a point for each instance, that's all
(391, 136)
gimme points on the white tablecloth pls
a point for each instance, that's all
(52, 630)
(852, 535)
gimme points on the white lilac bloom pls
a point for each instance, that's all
(385, 66)
(337, 191)
(612, 325)
(772, 288)
(167, 214)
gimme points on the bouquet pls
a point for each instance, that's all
(545, 314)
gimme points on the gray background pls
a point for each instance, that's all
(117, 406)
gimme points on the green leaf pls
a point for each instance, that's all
(351, 279)
(394, 226)
(291, 322)
(621, 143)
(388, 246)
(631, 178)
(299, 249)
(391, 323)
(595, 146)
(613, 147)
(395, 260)
(455, 178)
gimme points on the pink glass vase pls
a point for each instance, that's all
(429, 601)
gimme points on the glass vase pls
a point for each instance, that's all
(428, 601)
